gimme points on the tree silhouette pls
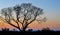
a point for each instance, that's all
(23, 14)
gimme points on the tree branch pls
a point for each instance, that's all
(7, 21)
(32, 20)
(16, 22)
(13, 25)
(20, 22)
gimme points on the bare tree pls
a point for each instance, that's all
(26, 11)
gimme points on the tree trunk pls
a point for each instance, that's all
(24, 28)
(24, 25)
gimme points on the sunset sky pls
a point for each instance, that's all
(51, 9)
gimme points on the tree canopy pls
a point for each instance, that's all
(26, 11)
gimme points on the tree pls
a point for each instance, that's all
(26, 11)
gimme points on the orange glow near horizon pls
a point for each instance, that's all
(52, 24)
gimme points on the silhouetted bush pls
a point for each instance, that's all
(5, 29)
(30, 30)
(46, 29)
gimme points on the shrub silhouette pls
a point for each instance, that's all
(5, 29)
(46, 30)
(30, 30)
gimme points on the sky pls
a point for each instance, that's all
(51, 9)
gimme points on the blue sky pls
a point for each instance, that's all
(51, 7)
